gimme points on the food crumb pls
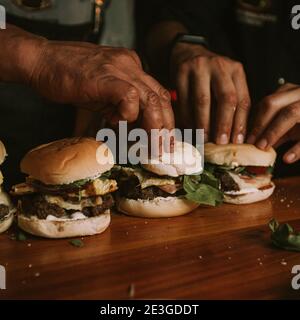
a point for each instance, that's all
(146, 222)
(284, 263)
(37, 274)
(131, 290)
(29, 245)
(30, 265)
(260, 263)
(287, 205)
(229, 258)
(200, 257)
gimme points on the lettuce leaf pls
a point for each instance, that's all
(203, 189)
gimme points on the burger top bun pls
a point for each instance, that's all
(185, 160)
(3, 153)
(68, 160)
(238, 155)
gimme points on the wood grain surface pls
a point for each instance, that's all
(212, 253)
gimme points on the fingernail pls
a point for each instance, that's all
(262, 144)
(240, 138)
(223, 139)
(251, 139)
(291, 157)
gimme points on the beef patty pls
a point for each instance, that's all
(4, 211)
(227, 183)
(36, 205)
(131, 189)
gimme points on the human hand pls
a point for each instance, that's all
(103, 79)
(278, 121)
(198, 73)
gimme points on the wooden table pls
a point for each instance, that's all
(221, 253)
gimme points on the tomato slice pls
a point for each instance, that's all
(257, 170)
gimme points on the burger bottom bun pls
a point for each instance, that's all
(157, 208)
(7, 222)
(250, 197)
(64, 229)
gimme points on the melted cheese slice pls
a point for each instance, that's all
(74, 216)
(147, 180)
(22, 189)
(87, 202)
(98, 187)
(249, 184)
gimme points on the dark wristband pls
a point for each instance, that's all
(187, 38)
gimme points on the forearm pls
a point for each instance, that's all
(19, 51)
(158, 44)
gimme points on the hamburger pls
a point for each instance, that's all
(244, 171)
(6, 207)
(164, 187)
(68, 189)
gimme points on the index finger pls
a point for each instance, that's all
(225, 93)
(165, 100)
(282, 123)
(243, 105)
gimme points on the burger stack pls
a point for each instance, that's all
(6, 207)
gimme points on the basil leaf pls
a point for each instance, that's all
(189, 184)
(76, 243)
(208, 178)
(203, 189)
(106, 175)
(225, 168)
(283, 236)
(206, 195)
(270, 170)
(239, 169)
(79, 183)
(209, 167)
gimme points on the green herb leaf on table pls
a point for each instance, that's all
(76, 243)
(283, 236)
(21, 236)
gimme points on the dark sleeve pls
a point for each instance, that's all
(213, 19)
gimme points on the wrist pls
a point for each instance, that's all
(182, 52)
